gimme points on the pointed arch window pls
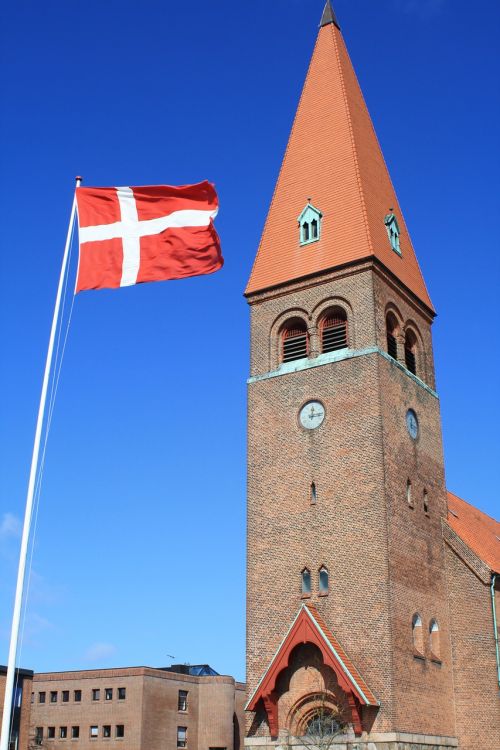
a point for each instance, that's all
(309, 224)
(294, 340)
(334, 330)
(306, 582)
(434, 640)
(392, 332)
(411, 352)
(323, 580)
(418, 637)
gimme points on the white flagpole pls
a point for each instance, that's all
(16, 617)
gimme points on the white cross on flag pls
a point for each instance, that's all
(129, 235)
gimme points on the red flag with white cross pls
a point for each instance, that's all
(130, 235)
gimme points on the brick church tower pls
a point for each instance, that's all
(348, 620)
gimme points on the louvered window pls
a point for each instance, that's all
(392, 329)
(410, 360)
(295, 342)
(392, 346)
(334, 332)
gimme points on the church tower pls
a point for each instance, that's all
(347, 622)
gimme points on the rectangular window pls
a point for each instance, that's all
(122, 692)
(75, 733)
(38, 735)
(65, 696)
(94, 731)
(53, 696)
(120, 730)
(182, 702)
(106, 730)
(63, 732)
(96, 694)
(51, 733)
(32, 697)
(181, 736)
(108, 694)
(77, 696)
(41, 697)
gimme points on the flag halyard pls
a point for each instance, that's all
(132, 235)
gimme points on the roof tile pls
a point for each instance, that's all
(479, 532)
(334, 158)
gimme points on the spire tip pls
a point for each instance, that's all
(329, 16)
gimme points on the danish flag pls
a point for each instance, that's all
(129, 235)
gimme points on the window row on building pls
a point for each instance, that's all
(109, 694)
(419, 639)
(410, 498)
(306, 581)
(73, 732)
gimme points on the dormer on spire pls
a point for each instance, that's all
(329, 16)
(309, 224)
(393, 231)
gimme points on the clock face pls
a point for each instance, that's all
(412, 423)
(312, 415)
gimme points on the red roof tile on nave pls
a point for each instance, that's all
(479, 532)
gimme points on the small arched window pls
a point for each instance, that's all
(409, 498)
(334, 330)
(434, 640)
(323, 580)
(294, 340)
(392, 332)
(411, 352)
(426, 502)
(306, 581)
(418, 637)
(314, 229)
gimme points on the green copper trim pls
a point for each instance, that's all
(286, 368)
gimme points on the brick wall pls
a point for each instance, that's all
(149, 713)
(475, 670)
(386, 561)
(23, 679)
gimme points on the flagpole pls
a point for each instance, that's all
(16, 617)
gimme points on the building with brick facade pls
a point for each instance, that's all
(20, 718)
(137, 708)
(371, 590)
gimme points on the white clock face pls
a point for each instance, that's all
(412, 423)
(312, 415)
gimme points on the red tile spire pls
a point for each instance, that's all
(333, 157)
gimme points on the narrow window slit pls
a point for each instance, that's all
(313, 494)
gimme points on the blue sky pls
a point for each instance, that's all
(140, 545)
